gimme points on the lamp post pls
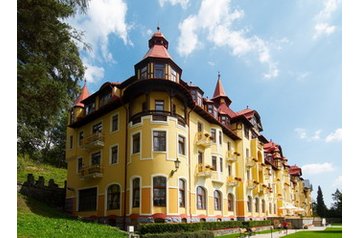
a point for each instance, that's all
(176, 163)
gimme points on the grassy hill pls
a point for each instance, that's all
(27, 165)
(35, 219)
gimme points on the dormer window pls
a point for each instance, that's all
(90, 107)
(144, 73)
(104, 99)
(210, 109)
(159, 71)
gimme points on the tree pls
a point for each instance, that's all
(321, 208)
(336, 209)
(48, 68)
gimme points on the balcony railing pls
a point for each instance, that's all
(231, 156)
(157, 116)
(232, 181)
(94, 141)
(250, 162)
(251, 185)
(203, 139)
(91, 172)
(217, 177)
(204, 171)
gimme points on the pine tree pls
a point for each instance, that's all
(321, 208)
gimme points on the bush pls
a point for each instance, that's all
(257, 223)
(195, 234)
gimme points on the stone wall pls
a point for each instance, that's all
(50, 194)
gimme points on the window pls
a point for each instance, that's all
(87, 199)
(263, 206)
(228, 146)
(200, 127)
(248, 174)
(113, 197)
(181, 145)
(90, 107)
(71, 142)
(270, 208)
(104, 99)
(221, 164)
(79, 165)
(257, 205)
(174, 109)
(159, 140)
(247, 153)
(210, 108)
(274, 208)
(159, 191)
(158, 70)
(200, 157)
(181, 193)
(249, 204)
(247, 132)
(200, 198)
(220, 138)
(230, 202)
(80, 138)
(114, 154)
(213, 135)
(217, 200)
(144, 106)
(115, 122)
(96, 158)
(144, 72)
(213, 163)
(229, 170)
(173, 75)
(136, 192)
(97, 128)
(136, 143)
(159, 105)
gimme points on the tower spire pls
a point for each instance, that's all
(219, 92)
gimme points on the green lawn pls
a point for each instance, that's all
(236, 234)
(26, 166)
(330, 232)
(35, 219)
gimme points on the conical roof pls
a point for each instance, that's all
(158, 46)
(83, 95)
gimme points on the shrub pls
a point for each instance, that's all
(195, 234)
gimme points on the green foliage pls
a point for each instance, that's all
(48, 68)
(336, 209)
(38, 220)
(327, 233)
(321, 209)
(189, 227)
(28, 166)
(195, 234)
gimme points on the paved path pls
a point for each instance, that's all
(289, 231)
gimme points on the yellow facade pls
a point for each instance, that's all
(124, 142)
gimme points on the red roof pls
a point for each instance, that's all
(225, 109)
(83, 95)
(219, 89)
(295, 170)
(158, 51)
(248, 113)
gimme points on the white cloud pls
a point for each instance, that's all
(103, 18)
(322, 26)
(317, 168)
(183, 3)
(93, 73)
(303, 134)
(215, 19)
(334, 136)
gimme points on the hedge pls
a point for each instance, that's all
(195, 234)
(190, 227)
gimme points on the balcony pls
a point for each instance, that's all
(250, 162)
(217, 177)
(231, 156)
(157, 116)
(232, 181)
(251, 184)
(204, 171)
(95, 141)
(92, 172)
(203, 140)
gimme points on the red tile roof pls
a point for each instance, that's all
(295, 170)
(83, 95)
(157, 51)
(219, 89)
(225, 109)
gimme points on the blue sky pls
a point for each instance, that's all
(281, 58)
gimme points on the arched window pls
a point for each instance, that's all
(230, 202)
(113, 197)
(159, 191)
(200, 198)
(249, 204)
(181, 193)
(263, 206)
(270, 208)
(136, 192)
(257, 205)
(217, 200)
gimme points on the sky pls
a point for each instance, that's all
(280, 58)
